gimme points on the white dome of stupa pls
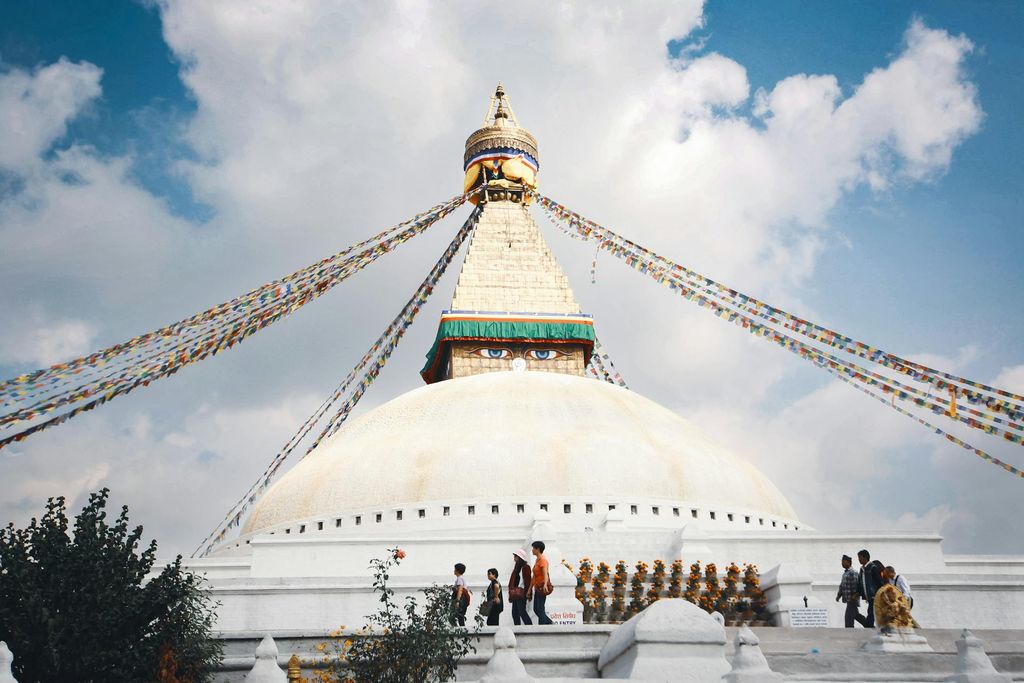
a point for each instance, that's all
(511, 435)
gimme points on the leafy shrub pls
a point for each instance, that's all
(77, 607)
(406, 643)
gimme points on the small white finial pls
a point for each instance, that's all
(748, 663)
(504, 665)
(266, 669)
(973, 664)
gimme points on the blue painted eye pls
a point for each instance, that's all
(543, 354)
(493, 354)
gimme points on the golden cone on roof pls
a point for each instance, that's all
(501, 152)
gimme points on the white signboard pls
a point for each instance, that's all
(808, 617)
(566, 618)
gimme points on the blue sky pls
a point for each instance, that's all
(226, 127)
(143, 99)
(958, 239)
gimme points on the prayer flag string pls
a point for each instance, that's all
(18, 385)
(668, 273)
(622, 247)
(601, 366)
(375, 358)
(900, 391)
(122, 368)
(944, 434)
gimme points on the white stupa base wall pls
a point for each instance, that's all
(319, 579)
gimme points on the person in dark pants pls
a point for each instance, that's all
(518, 584)
(540, 587)
(460, 596)
(494, 597)
(870, 581)
(849, 592)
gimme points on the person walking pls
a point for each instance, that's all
(849, 592)
(890, 576)
(541, 586)
(518, 585)
(903, 586)
(494, 597)
(460, 596)
(870, 581)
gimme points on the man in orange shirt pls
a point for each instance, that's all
(541, 586)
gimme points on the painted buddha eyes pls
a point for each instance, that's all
(493, 353)
(543, 354)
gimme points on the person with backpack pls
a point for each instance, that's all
(870, 581)
(460, 596)
(518, 584)
(495, 601)
(540, 586)
(901, 583)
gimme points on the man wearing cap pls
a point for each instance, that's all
(849, 592)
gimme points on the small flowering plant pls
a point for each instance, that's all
(751, 581)
(636, 590)
(752, 590)
(583, 578)
(693, 580)
(402, 643)
(657, 582)
(586, 570)
(620, 578)
(599, 594)
(711, 600)
(730, 593)
(675, 580)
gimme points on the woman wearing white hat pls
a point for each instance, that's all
(518, 582)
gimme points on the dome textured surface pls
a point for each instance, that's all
(509, 434)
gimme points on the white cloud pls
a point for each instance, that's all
(81, 239)
(927, 106)
(174, 483)
(41, 342)
(320, 122)
(1011, 379)
(848, 462)
(75, 487)
(36, 106)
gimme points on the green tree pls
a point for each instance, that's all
(77, 607)
(406, 643)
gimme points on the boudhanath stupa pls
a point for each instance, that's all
(510, 441)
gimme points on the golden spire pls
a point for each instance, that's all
(500, 108)
(500, 142)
